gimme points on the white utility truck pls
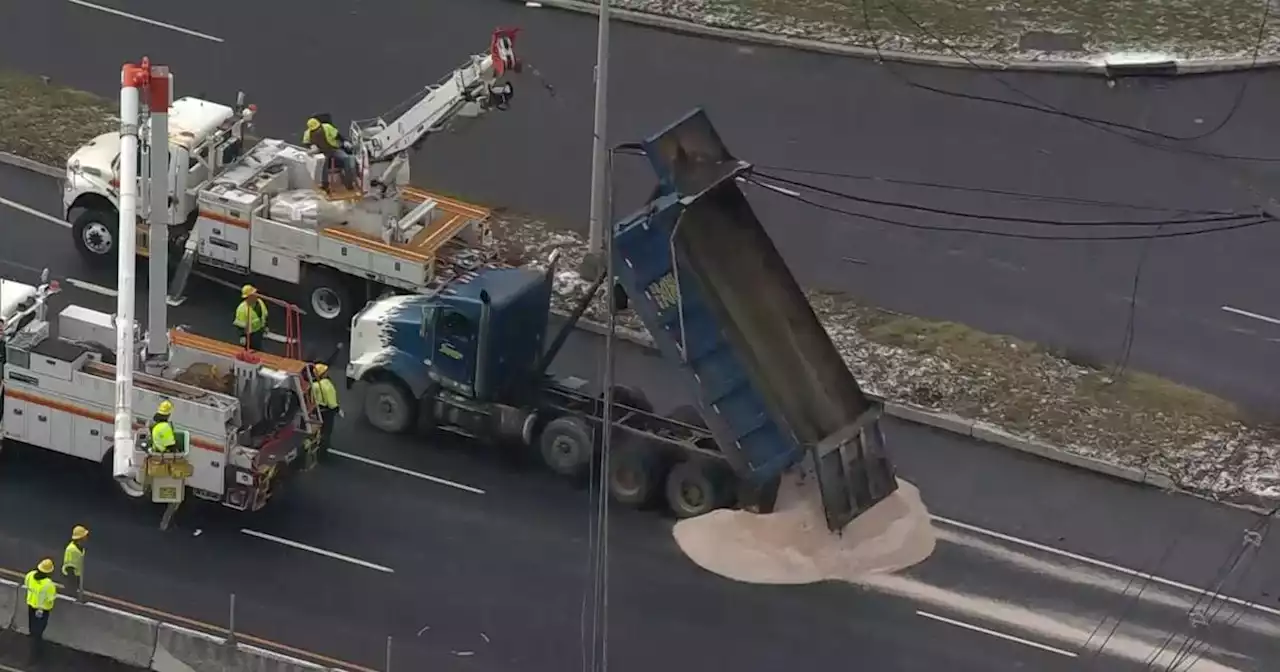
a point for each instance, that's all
(258, 210)
(244, 423)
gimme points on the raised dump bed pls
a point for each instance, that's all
(720, 302)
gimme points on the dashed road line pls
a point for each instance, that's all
(995, 633)
(151, 22)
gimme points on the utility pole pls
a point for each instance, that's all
(592, 264)
(159, 98)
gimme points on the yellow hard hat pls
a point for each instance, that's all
(313, 124)
(79, 532)
(248, 291)
(166, 408)
(322, 369)
(45, 566)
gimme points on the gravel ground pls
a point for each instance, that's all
(977, 28)
(1202, 442)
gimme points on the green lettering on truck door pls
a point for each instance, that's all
(664, 291)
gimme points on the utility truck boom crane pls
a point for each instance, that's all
(244, 210)
(469, 91)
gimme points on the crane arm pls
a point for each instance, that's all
(470, 90)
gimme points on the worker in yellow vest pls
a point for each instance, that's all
(162, 437)
(251, 317)
(42, 593)
(73, 560)
(325, 397)
(324, 137)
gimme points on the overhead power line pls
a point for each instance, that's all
(1248, 222)
(1204, 219)
(1024, 195)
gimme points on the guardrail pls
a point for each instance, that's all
(114, 629)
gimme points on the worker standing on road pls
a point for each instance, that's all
(326, 399)
(42, 593)
(73, 560)
(325, 137)
(251, 317)
(162, 437)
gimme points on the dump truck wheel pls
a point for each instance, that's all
(635, 474)
(630, 396)
(94, 232)
(389, 407)
(689, 415)
(696, 487)
(567, 446)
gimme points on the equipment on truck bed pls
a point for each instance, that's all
(771, 387)
(238, 444)
(259, 211)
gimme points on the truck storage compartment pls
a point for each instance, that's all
(713, 290)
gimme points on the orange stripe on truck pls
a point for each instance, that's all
(94, 415)
(224, 219)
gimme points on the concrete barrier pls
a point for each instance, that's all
(181, 649)
(8, 603)
(100, 630)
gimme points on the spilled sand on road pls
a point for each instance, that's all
(793, 546)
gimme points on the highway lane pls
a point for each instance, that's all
(779, 107)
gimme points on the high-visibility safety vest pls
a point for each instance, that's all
(330, 136)
(255, 319)
(325, 394)
(162, 438)
(73, 560)
(41, 593)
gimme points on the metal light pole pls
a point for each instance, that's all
(594, 262)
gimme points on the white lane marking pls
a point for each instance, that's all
(273, 336)
(1103, 564)
(90, 287)
(34, 213)
(994, 633)
(318, 551)
(1248, 314)
(407, 472)
(143, 19)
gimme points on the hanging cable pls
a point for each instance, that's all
(1107, 126)
(1206, 219)
(1046, 198)
(1248, 222)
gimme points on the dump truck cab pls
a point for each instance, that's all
(481, 337)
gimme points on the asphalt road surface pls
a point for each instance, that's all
(473, 560)
(777, 107)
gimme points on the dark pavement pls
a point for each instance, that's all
(777, 107)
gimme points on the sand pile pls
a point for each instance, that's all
(793, 546)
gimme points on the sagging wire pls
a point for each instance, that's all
(1203, 219)
(1245, 221)
(1107, 126)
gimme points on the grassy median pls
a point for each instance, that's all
(1134, 418)
(980, 27)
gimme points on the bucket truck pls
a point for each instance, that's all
(258, 211)
(87, 384)
(770, 386)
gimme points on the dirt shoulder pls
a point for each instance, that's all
(1030, 29)
(1203, 442)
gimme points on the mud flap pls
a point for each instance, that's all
(854, 470)
(178, 286)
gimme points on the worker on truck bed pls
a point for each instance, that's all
(326, 398)
(162, 437)
(73, 559)
(251, 317)
(42, 594)
(324, 136)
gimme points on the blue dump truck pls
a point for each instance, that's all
(698, 268)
